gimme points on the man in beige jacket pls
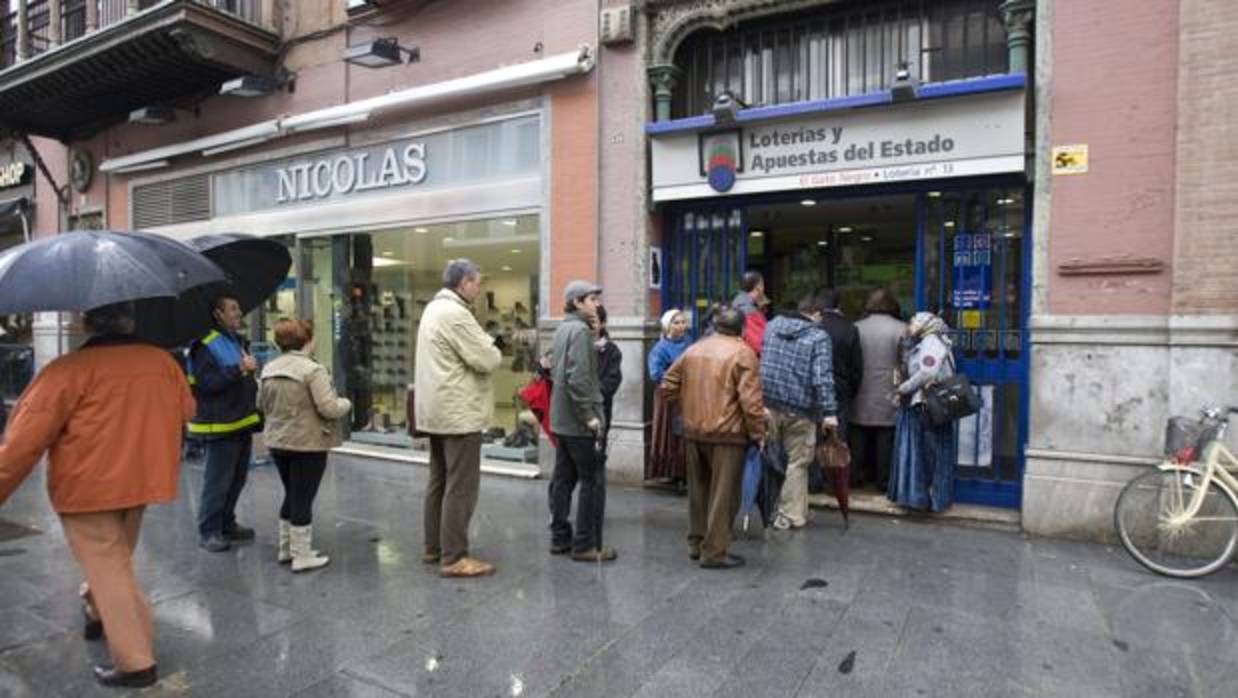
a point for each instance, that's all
(454, 405)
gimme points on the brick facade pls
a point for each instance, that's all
(1122, 103)
(1205, 277)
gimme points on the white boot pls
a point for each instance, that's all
(303, 556)
(285, 534)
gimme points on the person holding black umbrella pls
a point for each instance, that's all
(111, 415)
(222, 373)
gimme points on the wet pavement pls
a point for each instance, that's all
(892, 607)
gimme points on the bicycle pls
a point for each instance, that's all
(1181, 518)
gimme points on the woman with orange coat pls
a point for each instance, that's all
(111, 414)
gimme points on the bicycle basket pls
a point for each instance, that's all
(1181, 434)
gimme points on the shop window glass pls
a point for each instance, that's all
(377, 298)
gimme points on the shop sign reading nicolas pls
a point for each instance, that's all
(345, 173)
(979, 135)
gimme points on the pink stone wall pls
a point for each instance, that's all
(1114, 87)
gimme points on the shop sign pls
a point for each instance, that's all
(955, 137)
(492, 152)
(346, 173)
(973, 271)
(14, 174)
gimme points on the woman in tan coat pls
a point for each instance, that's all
(302, 422)
(111, 414)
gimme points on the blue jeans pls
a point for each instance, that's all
(227, 467)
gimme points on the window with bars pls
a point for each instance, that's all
(840, 51)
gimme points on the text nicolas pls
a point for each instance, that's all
(347, 173)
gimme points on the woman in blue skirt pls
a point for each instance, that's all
(925, 456)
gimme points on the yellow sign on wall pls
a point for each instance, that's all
(1070, 159)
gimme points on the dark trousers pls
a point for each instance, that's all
(227, 468)
(451, 496)
(714, 472)
(871, 451)
(301, 472)
(577, 462)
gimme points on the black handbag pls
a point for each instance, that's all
(950, 400)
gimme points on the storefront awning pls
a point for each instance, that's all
(513, 76)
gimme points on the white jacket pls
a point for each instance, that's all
(454, 360)
(930, 360)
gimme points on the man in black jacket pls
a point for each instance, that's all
(222, 374)
(848, 356)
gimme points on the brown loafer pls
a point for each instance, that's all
(467, 567)
(595, 555)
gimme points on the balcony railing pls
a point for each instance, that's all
(80, 17)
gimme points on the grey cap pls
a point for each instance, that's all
(575, 290)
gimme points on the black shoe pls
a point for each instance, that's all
(239, 533)
(726, 563)
(561, 549)
(214, 544)
(694, 555)
(108, 676)
(93, 627)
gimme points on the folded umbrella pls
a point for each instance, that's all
(80, 270)
(750, 484)
(254, 268)
(835, 459)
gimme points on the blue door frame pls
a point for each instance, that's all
(707, 251)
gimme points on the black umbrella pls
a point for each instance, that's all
(80, 270)
(254, 267)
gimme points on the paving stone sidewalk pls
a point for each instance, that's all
(892, 607)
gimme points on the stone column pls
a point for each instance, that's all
(1017, 16)
(92, 16)
(55, 28)
(23, 30)
(663, 78)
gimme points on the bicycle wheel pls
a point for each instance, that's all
(1148, 520)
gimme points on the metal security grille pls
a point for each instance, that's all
(845, 51)
(175, 201)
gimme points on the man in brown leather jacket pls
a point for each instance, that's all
(717, 385)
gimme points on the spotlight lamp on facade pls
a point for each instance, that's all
(153, 115)
(726, 108)
(903, 89)
(255, 85)
(380, 53)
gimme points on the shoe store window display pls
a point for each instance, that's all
(302, 423)
(150, 403)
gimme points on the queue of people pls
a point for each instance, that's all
(113, 412)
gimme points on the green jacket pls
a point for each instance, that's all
(577, 393)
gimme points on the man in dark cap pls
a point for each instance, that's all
(576, 419)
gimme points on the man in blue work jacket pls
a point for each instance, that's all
(222, 375)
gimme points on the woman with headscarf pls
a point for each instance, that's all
(925, 456)
(666, 455)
